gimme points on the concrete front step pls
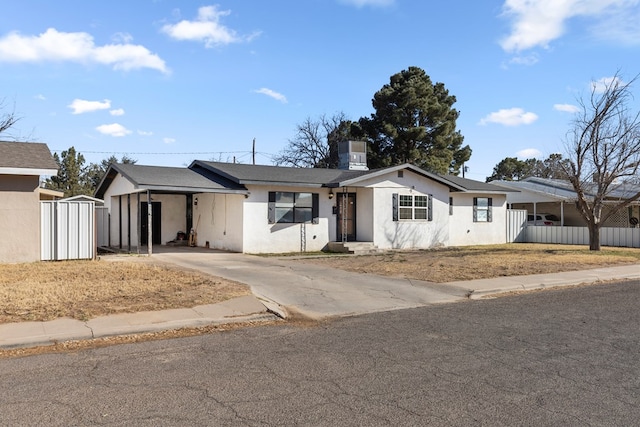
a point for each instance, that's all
(357, 248)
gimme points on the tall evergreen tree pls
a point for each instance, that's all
(414, 122)
(71, 177)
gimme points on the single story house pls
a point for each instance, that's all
(556, 196)
(21, 165)
(271, 209)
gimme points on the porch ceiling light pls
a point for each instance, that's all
(330, 193)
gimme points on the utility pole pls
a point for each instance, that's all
(254, 151)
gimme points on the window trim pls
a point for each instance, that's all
(398, 207)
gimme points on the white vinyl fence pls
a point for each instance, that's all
(609, 236)
(519, 232)
(67, 230)
(516, 225)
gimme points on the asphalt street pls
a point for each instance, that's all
(557, 357)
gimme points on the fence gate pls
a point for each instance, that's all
(516, 226)
(67, 230)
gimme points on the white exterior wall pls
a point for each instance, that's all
(463, 231)
(220, 220)
(261, 237)
(173, 212)
(406, 234)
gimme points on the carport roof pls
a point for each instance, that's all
(168, 180)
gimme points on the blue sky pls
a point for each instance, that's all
(167, 81)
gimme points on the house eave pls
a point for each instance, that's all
(27, 171)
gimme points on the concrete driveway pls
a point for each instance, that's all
(312, 290)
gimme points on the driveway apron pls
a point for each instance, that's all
(312, 290)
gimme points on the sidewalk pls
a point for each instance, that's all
(33, 334)
(250, 308)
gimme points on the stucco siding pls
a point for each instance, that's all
(407, 234)
(19, 218)
(262, 237)
(463, 231)
(220, 221)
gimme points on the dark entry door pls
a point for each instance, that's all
(156, 221)
(346, 216)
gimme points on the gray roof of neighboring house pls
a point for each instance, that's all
(167, 179)
(32, 158)
(563, 190)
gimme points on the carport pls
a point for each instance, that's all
(146, 201)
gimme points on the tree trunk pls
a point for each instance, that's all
(594, 237)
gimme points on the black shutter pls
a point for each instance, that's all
(430, 208)
(394, 201)
(272, 207)
(315, 207)
(489, 209)
(475, 209)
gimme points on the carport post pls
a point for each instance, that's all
(149, 222)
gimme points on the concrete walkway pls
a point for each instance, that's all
(283, 287)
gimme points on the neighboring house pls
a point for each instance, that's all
(555, 196)
(269, 209)
(21, 165)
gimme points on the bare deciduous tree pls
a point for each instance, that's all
(7, 120)
(315, 142)
(603, 149)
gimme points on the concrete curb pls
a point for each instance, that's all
(33, 334)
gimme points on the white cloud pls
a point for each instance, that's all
(374, 3)
(117, 112)
(206, 28)
(40, 97)
(273, 94)
(535, 23)
(114, 129)
(529, 153)
(510, 117)
(567, 108)
(600, 85)
(56, 46)
(80, 106)
(168, 140)
(144, 133)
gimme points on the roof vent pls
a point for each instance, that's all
(352, 155)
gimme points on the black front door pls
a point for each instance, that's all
(156, 221)
(346, 217)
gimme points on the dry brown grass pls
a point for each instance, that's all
(480, 262)
(87, 289)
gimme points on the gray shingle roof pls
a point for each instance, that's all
(26, 155)
(167, 179)
(264, 175)
(476, 186)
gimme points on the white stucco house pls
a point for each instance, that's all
(270, 209)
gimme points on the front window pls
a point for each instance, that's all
(410, 207)
(482, 209)
(290, 207)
